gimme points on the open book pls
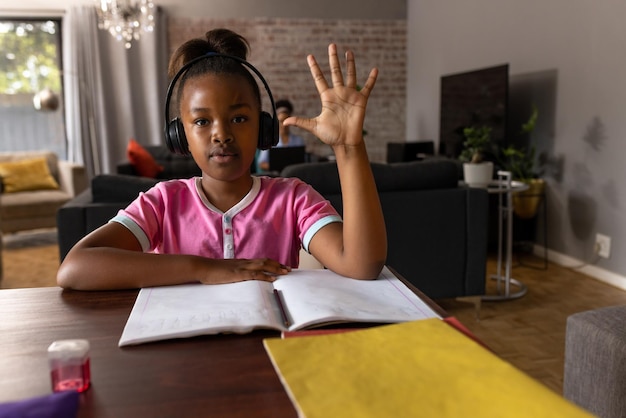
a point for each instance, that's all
(301, 299)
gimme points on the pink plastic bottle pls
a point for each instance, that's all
(69, 365)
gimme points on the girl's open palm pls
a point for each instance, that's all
(343, 106)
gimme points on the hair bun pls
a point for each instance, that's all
(225, 41)
(221, 41)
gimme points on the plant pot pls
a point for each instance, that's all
(478, 174)
(526, 202)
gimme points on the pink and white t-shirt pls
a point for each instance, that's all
(276, 218)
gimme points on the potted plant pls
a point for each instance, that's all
(521, 163)
(476, 171)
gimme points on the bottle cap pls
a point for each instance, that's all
(64, 349)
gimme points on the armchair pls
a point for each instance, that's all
(34, 209)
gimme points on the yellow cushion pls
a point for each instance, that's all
(29, 174)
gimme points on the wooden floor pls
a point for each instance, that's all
(528, 332)
(30, 259)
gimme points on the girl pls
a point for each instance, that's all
(228, 225)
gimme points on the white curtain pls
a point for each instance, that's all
(112, 94)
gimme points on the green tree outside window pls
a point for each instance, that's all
(29, 60)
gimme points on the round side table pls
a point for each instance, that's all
(504, 186)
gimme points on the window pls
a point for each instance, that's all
(30, 63)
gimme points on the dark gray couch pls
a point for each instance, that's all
(96, 205)
(437, 231)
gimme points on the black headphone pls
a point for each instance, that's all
(175, 138)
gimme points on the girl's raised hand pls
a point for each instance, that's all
(343, 106)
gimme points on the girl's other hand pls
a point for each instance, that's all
(239, 270)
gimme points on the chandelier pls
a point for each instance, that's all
(126, 19)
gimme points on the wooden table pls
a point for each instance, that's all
(218, 375)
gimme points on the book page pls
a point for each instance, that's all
(314, 297)
(194, 309)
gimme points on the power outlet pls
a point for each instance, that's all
(603, 245)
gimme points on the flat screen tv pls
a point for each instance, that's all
(473, 98)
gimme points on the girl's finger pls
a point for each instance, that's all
(369, 84)
(335, 67)
(302, 123)
(350, 70)
(318, 76)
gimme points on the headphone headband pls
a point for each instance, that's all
(174, 131)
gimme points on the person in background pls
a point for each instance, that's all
(284, 109)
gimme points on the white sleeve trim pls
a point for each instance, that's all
(135, 229)
(316, 227)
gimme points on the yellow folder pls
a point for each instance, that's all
(422, 368)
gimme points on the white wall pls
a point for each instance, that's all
(574, 52)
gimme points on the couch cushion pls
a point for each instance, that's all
(175, 166)
(414, 175)
(119, 188)
(162, 153)
(51, 158)
(26, 175)
(24, 205)
(143, 162)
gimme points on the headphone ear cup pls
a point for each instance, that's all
(175, 138)
(268, 131)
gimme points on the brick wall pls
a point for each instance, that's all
(279, 48)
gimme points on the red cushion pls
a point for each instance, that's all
(145, 165)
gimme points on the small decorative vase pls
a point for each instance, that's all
(478, 174)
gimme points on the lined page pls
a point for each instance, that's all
(194, 309)
(321, 296)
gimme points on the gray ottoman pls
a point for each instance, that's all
(595, 361)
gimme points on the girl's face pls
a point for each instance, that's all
(220, 114)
